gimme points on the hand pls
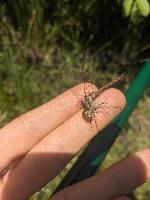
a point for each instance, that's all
(40, 143)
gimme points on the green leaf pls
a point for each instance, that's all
(135, 14)
(127, 4)
(144, 7)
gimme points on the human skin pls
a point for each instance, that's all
(42, 141)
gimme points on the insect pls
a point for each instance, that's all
(88, 106)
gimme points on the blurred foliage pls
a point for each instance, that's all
(135, 9)
(42, 46)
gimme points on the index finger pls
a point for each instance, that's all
(20, 135)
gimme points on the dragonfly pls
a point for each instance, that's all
(88, 105)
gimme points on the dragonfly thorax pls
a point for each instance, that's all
(87, 114)
(87, 102)
(88, 107)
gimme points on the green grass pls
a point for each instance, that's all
(134, 137)
(40, 42)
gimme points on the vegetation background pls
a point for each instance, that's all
(42, 44)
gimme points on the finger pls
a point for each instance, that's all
(48, 157)
(23, 133)
(118, 180)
